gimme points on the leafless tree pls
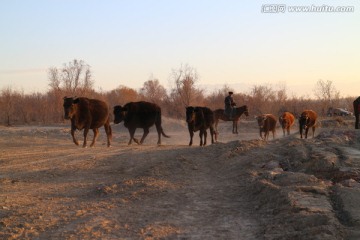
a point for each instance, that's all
(54, 78)
(7, 104)
(121, 96)
(76, 77)
(261, 96)
(56, 93)
(153, 91)
(185, 79)
(326, 92)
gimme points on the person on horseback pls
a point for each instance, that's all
(229, 106)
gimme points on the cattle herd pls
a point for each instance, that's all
(86, 114)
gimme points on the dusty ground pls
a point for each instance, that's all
(239, 188)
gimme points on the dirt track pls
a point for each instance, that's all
(242, 188)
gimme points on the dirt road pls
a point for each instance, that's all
(242, 188)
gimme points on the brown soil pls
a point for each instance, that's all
(238, 188)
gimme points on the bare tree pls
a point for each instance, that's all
(153, 91)
(281, 99)
(54, 78)
(261, 96)
(121, 96)
(56, 93)
(8, 103)
(326, 92)
(76, 77)
(185, 79)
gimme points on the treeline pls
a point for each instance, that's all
(75, 79)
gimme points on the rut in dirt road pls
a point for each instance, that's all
(211, 205)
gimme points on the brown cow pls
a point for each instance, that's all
(286, 120)
(307, 120)
(267, 123)
(200, 119)
(140, 115)
(86, 114)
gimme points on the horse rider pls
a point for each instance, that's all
(229, 105)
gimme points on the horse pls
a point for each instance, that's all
(219, 114)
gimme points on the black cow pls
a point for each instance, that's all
(139, 115)
(86, 114)
(200, 119)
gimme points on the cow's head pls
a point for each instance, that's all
(119, 114)
(190, 114)
(261, 120)
(70, 107)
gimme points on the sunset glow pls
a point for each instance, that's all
(228, 42)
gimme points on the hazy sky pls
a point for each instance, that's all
(227, 42)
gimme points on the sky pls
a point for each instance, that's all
(235, 43)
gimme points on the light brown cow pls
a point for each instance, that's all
(267, 123)
(307, 120)
(286, 120)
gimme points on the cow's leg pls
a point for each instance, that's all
(158, 129)
(191, 137)
(108, 133)
(205, 136)
(132, 133)
(73, 136)
(216, 124)
(96, 134)
(146, 132)
(235, 126)
(313, 131)
(288, 131)
(212, 133)
(86, 131)
(306, 132)
(201, 137)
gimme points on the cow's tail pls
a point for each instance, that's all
(158, 122)
(162, 132)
